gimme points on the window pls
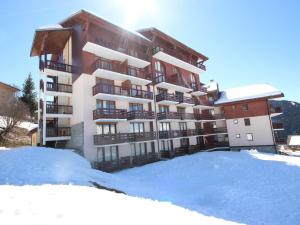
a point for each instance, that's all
(159, 72)
(137, 127)
(107, 154)
(233, 107)
(235, 121)
(162, 91)
(136, 90)
(245, 107)
(247, 121)
(106, 129)
(166, 145)
(181, 110)
(237, 135)
(175, 70)
(179, 95)
(164, 126)
(184, 142)
(103, 104)
(163, 108)
(132, 71)
(182, 125)
(135, 107)
(212, 111)
(249, 137)
(133, 52)
(138, 149)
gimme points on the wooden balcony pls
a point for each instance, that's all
(215, 130)
(209, 116)
(166, 97)
(277, 126)
(109, 114)
(187, 116)
(106, 139)
(140, 115)
(58, 131)
(53, 65)
(280, 140)
(169, 116)
(186, 101)
(216, 144)
(52, 108)
(118, 90)
(57, 87)
(178, 133)
(172, 81)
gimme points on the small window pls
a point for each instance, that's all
(235, 121)
(233, 107)
(247, 122)
(250, 137)
(237, 135)
(245, 107)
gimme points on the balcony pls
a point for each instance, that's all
(215, 131)
(216, 144)
(167, 99)
(199, 92)
(172, 82)
(178, 133)
(210, 117)
(140, 115)
(121, 138)
(201, 104)
(277, 126)
(58, 110)
(107, 69)
(186, 101)
(109, 115)
(175, 58)
(188, 116)
(113, 51)
(58, 133)
(169, 116)
(280, 140)
(57, 89)
(113, 92)
(275, 110)
(54, 68)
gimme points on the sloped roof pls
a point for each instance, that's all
(248, 92)
(10, 86)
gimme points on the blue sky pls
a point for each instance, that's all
(247, 42)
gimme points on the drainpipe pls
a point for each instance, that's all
(271, 124)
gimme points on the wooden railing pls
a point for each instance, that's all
(132, 115)
(58, 131)
(109, 114)
(277, 125)
(177, 55)
(168, 115)
(215, 130)
(53, 108)
(103, 139)
(178, 133)
(167, 97)
(56, 66)
(187, 100)
(118, 90)
(59, 87)
(202, 102)
(209, 116)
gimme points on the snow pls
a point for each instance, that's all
(25, 124)
(211, 86)
(293, 140)
(49, 27)
(244, 187)
(293, 103)
(59, 204)
(247, 92)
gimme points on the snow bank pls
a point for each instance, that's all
(35, 166)
(247, 92)
(25, 125)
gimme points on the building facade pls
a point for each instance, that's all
(124, 98)
(7, 91)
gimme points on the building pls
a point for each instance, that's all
(250, 117)
(293, 142)
(7, 91)
(123, 98)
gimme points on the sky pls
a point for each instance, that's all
(247, 42)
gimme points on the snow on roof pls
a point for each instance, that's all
(49, 27)
(293, 140)
(211, 86)
(248, 92)
(113, 23)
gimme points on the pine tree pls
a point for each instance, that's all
(29, 95)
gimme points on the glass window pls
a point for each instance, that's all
(245, 107)
(163, 108)
(100, 151)
(184, 142)
(166, 145)
(137, 127)
(247, 121)
(104, 104)
(182, 125)
(233, 107)
(106, 129)
(164, 126)
(114, 152)
(249, 137)
(135, 107)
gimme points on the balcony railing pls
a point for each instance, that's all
(109, 114)
(104, 139)
(280, 140)
(209, 116)
(116, 46)
(118, 90)
(167, 97)
(215, 130)
(169, 115)
(187, 116)
(59, 87)
(58, 131)
(275, 109)
(178, 133)
(186, 100)
(56, 66)
(277, 125)
(178, 55)
(202, 102)
(175, 79)
(133, 115)
(216, 144)
(118, 68)
(53, 108)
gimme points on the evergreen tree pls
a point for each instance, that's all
(29, 95)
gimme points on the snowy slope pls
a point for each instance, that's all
(78, 205)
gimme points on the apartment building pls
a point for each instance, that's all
(123, 98)
(250, 116)
(7, 91)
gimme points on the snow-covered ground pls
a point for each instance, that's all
(243, 187)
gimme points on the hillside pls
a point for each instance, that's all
(290, 116)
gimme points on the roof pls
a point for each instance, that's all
(293, 140)
(249, 92)
(89, 13)
(211, 86)
(10, 86)
(162, 34)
